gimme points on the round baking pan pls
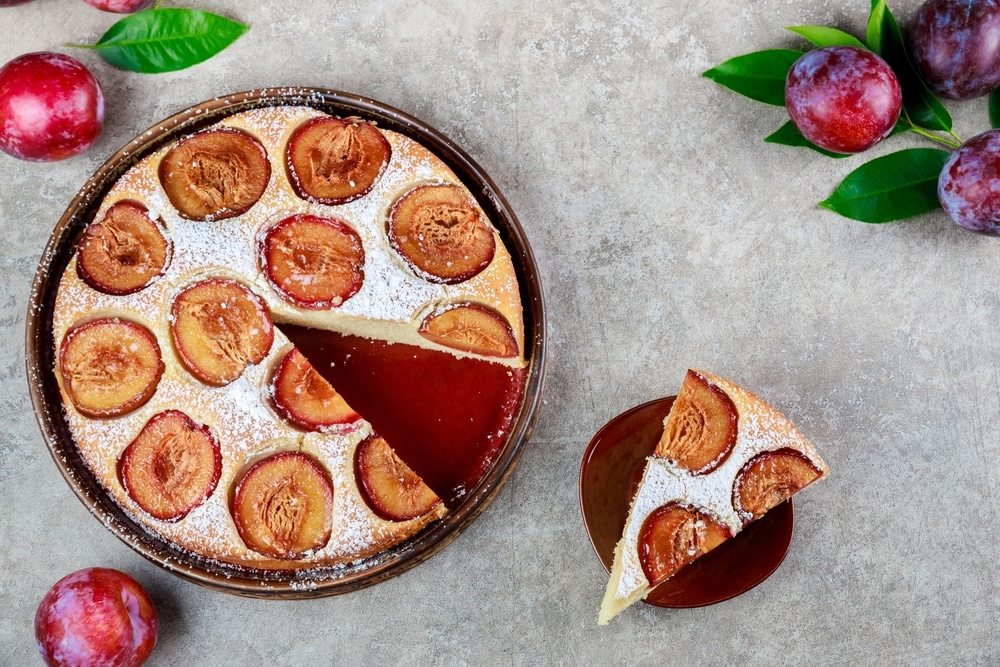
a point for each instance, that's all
(303, 583)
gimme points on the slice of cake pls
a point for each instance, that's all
(725, 458)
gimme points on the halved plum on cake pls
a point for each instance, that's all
(335, 160)
(219, 327)
(701, 430)
(391, 489)
(770, 478)
(472, 328)
(283, 506)
(124, 252)
(673, 536)
(215, 174)
(312, 261)
(439, 231)
(304, 398)
(109, 366)
(724, 459)
(171, 467)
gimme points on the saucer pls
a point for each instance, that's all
(609, 475)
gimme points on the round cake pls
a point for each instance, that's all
(177, 329)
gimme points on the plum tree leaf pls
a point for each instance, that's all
(994, 109)
(822, 36)
(759, 75)
(789, 135)
(920, 105)
(166, 39)
(892, 187)
(873, 33)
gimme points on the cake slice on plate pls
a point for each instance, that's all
(725, 458)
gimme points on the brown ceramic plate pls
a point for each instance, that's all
(254, 582)
(611, 470)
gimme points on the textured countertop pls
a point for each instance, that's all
(668, 236)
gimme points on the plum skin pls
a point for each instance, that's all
(969, 184)
(51, 107)
(956, 46)
(843, 98)
(120, 6)
(96, 616)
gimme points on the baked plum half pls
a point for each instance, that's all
(304, 397)
(472, 328)
(336, 160)
(389, 486)
(770, 478)
(109, 366)
(313, 261)
(219, 328)
(124, 252)
(674, 535)
(215, 174)
(439, 231)
(283, 506)
(171, 467)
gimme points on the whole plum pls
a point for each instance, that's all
(11, 3)
(969, 184)
(51, 107)
(956, 46)
(843, 98)
(96, 616)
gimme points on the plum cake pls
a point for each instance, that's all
(289, 340)
(724, 459)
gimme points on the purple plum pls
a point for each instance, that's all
(843, 98)
(969, 184)
(956, 46)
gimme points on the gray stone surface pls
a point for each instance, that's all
(667, 235)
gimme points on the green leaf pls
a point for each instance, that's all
(921, 106)
(759, 75)
(789, 135)
(822, 36)
(873, 34)
(895, 186)
(994, 108)
(166, 40)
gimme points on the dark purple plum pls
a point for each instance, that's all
(956, 46)
(843, 98)
(969, 184)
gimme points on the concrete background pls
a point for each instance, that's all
(668, 235)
